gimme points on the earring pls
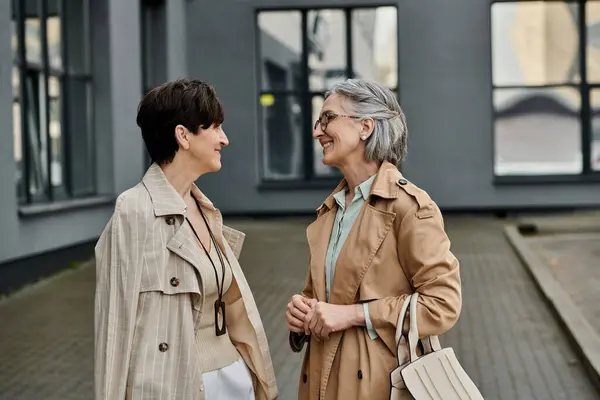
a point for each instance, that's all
(363, 137)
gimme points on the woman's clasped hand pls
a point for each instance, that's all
(319, 318)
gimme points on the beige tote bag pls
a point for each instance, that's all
(435, 375)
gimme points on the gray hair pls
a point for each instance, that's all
(389, 140)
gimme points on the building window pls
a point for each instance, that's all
(52, 113)
(302, 53)
(546, 80)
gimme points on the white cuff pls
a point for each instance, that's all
(372, 333)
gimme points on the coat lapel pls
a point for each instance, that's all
(368, 232)
(167, 202)
(184, 244)
(318, 234)
(370, 228)
(358, 251)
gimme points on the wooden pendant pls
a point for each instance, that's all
(220, 312)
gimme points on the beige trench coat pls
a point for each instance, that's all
(148, 298)
(396, 246)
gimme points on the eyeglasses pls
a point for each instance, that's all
(326, 118)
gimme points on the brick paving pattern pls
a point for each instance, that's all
(573, 261)
(47, 339)
(506, 338)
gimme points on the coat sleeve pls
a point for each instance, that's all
(433, 271)
(243, 337)
(297, 340)
(118, 277)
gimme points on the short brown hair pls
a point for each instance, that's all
(191, 103)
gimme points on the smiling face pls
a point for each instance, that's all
(203, 149)
(341, 134)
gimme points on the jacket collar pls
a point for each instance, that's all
(165, 199)
(364, 189)
(384, 186)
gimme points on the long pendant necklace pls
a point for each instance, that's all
(219, 303)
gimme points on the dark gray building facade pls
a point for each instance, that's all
(500, 98)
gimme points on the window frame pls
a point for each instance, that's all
(587, 174)
(308, 178)
(65, 77)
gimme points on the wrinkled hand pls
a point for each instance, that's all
(325, 319)
(296, 312)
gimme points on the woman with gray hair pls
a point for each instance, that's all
(377, 239)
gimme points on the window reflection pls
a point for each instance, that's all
(593, 41)
(280, 49)
(33, 42)
(595, 114)
(332, 45)
(282, 121)
(537, 131)
(14, 42)
(55, 131)
(54, 42)
(16, 109)
(36, 132)
(281, 75)
(326, 34)
(374, 45)
(535, 43)
(40, 137)
(17, 145)
(17, 132)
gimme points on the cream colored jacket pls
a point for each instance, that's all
(148, 297)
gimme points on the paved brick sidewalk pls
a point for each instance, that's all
(506, 339)
(573, 261)
(47, 338)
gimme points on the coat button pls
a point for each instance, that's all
(174, 281)
(163, 347)
(304, 378)
(402, 181)
(359, 374)
(170, 220)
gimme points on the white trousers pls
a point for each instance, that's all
(231, 382)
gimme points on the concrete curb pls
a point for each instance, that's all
(584, 338)
(560, 227)
(575, 222)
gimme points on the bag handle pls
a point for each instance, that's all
(430, 343)
(400, 326)
(413, 332)
(401, 318)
